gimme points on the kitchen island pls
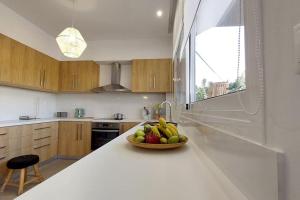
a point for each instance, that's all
(120, 171)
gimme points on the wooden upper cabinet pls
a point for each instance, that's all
(50, 74)
(32, 69)
(17, 62)
(151, 75)
(25, 67)
(5, 59)
(78, 76)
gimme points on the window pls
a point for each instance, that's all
(218, 50)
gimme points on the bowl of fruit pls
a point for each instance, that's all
(160, 135)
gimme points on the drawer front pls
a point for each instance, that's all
(3, 153)
(43, 152)
(42, 132)
(3, 131)
(3, 140)
(41, 142)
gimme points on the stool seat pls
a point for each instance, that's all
(21, 162)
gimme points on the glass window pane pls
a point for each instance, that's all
(219, 49)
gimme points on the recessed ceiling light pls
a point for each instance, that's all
(159, 13)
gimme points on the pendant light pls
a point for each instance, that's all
(70, 41)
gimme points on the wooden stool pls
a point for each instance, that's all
(21, 163)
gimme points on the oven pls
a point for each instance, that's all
(103, 132)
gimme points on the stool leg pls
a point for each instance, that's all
(7, 179)
(22, 179)
(25, 179)
(37, 173)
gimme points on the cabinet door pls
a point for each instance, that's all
(125, 126)
(83, 78)
(4, 153)
(67, 76)
(78, 76)
(50, 74)
(95, 74)
(32, 71)
(140, 77)
(17, 62)
(3, 145)
(151, 75)
(161, 72)
(54, 139)
(5, 59)
(68, 139)
(84, 142)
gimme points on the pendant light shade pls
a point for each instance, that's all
(71, 42)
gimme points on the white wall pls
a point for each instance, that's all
(106, 104)
(15, 102)
(109, 50)
(22, 30)
(282, 89)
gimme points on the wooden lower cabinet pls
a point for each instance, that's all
(74, 139)
(3, 150)
(125, 126)
(40, 139)
(47, 140)
(44, 140)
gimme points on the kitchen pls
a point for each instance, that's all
(138, 99)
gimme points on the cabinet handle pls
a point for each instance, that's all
(80, 131)
(73, 81)
(42, 128)
(44, 78)
(1, 158)
(154, 81)
(76, 132)
(76, 86)
(41, 146)
(2, 147)
(41, 78)
(3, 134)
(42, 138)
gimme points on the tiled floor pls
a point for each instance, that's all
(47, 171)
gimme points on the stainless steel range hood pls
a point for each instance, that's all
(115, 85)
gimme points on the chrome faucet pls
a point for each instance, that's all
(170, 105)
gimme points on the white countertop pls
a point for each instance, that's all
(36, 121)
(120, 171)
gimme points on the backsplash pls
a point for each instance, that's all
(15, 102)
(106, 104)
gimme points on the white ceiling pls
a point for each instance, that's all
(97, 19)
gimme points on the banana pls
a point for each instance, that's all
(163, 122)
(165, 131)
(172, 125)
(173, 129)
(155, 131)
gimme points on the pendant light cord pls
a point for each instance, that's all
(73, 13)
